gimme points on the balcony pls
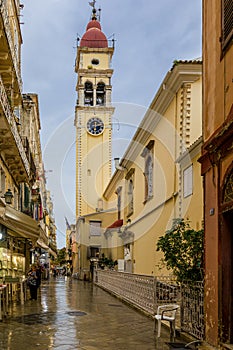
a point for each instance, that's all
(10, 51)
(11, 146)
(52, 245)
(29, 158)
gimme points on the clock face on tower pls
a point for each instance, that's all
(95, 126)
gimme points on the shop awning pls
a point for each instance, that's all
(113, 227)
(116, 224)
(52, 253)
(43, 240)
(19, 223)
(42, 245)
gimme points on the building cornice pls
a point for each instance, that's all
(97, 213)
(192, 151)
(95, 72)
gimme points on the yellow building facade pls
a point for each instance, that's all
(159, 179)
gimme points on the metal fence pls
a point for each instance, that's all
(138, 290)
(192, 309)
(148, 292)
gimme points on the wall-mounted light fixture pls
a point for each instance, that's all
(8, 196)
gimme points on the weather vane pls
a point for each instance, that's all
(92, 3)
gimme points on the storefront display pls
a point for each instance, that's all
(11, 264)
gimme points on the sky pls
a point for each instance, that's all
(149, 36)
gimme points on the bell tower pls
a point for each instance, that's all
(93, 116)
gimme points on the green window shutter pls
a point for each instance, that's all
(26, 196)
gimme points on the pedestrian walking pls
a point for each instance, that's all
(33, 282)
(39, 270)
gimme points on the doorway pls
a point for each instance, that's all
(226, 235)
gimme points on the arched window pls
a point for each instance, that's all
(130, 198)
(147, 154)
(148, 177)
(119, 199)
(88, 93)
(228, 192)
(100, 94)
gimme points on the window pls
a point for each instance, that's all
(2, 181)
(188, 181)
(95, 61)
(88, 94)
(130, 198)
(100, 94)
(227, 22)
(127, 252)
(129, 192)
(149, 164)
(119, 195)
(149, 176)
(95, 228)
(228, 193)
(3, 236)
(15, 199)
(26, 196)
(93, 252)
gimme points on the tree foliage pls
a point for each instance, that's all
(61, 257)
(183, 250)
(104, 261)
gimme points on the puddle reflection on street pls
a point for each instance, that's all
(71, 314)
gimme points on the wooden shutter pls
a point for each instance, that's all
(95, 228)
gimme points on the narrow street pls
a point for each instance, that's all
(71, 314)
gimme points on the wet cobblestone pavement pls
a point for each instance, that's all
(71, 314)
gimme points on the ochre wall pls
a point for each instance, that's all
(217, 104)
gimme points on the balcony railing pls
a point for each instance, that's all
(29, 156)
(13, 127)
(13, 50)
(123, 285)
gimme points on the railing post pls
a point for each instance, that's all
(155, 295)
(181, 306)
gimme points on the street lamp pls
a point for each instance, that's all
(8, 196)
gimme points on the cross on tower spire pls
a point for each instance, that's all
(92, 3)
